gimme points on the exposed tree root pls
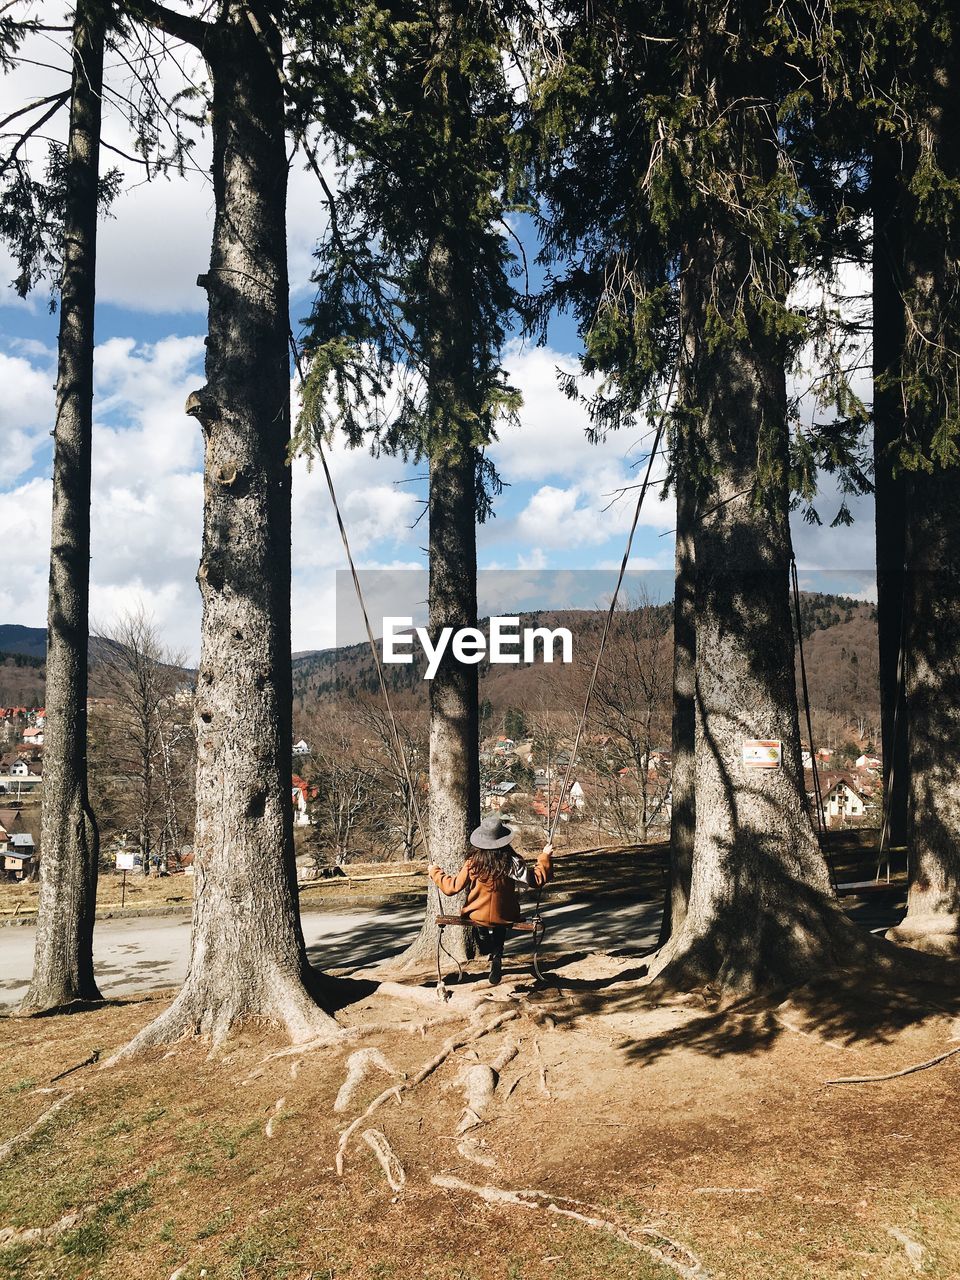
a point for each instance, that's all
(359, 1065)
(13, 1236)
(277, 1108)
(465, 999)
(666, 1251)
(542, 1069)
(195, 1012)
(473, 1149)
(349, 1034)
(936, 933)
(386, 1157)
(915, 1252)
(395, 1091)
(895, 1075)
(479, 1080)
(729, 964)
(18, 1139)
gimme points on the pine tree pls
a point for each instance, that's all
(414, 293)
(52, 226)
(687, 183)
(916, 187)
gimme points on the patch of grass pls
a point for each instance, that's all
(219, 1222)
(92, 1238)
(14, 1259)
(262, 1254)
(121, 1125)
(21, 1086)
(380, 1271)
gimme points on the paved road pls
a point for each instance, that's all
(140, 954)
(137, 955)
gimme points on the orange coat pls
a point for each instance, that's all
(492, 902)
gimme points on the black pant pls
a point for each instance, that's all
(490, 941)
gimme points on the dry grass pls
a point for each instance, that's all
(718, 1130)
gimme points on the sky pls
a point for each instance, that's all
(553, 518)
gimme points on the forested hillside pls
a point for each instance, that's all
(839, 641)
(839, 636)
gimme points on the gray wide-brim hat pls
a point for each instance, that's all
(491, 834)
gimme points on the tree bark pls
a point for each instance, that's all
(63, 958)
(454, 691)
(247, 958)
(453, 413)
(683, 808)
(889, 484)
(928, 268)
(761, 912)
(932, 642)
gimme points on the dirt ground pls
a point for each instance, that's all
(696, 1141)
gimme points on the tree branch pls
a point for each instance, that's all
(59, 98)
(58, 102)
(181, 26)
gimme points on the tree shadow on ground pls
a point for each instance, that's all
(845, 1009)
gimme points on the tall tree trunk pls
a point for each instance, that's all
(454, 691)
(932, 636)
(453, 413)
(682, 774)
(929, 272)
(63, 959)
(247, 957)
(760, 911)
(889, 483)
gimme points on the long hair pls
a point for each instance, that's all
(491, 864)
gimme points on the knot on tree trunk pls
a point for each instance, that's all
(200, 405)
(226, 473)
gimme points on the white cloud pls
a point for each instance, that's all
(157, 238)
(25, 537)
(26, 414)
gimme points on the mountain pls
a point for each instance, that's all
(28, 642)
(839, 647)
(839, 641)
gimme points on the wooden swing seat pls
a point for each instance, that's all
(518, 926)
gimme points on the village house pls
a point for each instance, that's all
(497, 795)
(303, 794)
(845, 797)
(539, 807)
(18, 855)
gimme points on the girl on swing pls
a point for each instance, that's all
(490, 874)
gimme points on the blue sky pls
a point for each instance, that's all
(147, 486)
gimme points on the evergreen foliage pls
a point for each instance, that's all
(416, 101)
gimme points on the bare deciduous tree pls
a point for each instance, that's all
(143, 749)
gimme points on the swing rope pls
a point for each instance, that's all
(608, 620)
(381, 678)
(894, 736)
(817, 790)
